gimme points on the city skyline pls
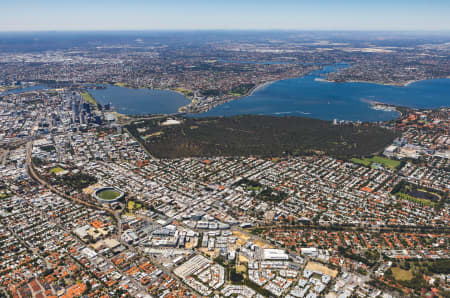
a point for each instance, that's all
(50, 15)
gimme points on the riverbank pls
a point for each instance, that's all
(137, 101)
(257, 87)
(405, 84)
(295, 96)
(124, 118)
(380, 106)
(185, 109)
(395, 84)
(8, 88)
(89, 98)
(261, 86)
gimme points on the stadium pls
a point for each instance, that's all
(108, 194)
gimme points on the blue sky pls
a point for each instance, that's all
(225, 14)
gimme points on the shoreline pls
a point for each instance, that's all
(259, 87)
(384, 107)
(193, 107)
(249, 93)
(372, 104)
(405, 84)
(126, 118)
(6, 89)
(142, 88)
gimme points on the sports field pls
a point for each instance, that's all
(389, 163)
(56, 170)
(401, 274)
(363, 162)
(108, 195)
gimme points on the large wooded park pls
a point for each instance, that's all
(259, 136)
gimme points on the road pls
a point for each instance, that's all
(116, 214)
(343, 228)
(142, 146)
(36, 177)
(3, 156)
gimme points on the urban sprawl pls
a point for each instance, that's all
(87, 211)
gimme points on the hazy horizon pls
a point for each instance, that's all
(173, 15)
(222, 30)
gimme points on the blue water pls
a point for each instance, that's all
(140, 101)
(305, 96)
(25, 89)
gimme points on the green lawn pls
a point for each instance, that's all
(254, 188)
(108, 195)
(363, 162)
(390, 163)
(385, 161)
(88, 98)
(56, 170)
(186, 92)
(407, 197)
(132, 205)
(401, 274)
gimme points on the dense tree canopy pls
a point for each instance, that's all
(260, 136)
